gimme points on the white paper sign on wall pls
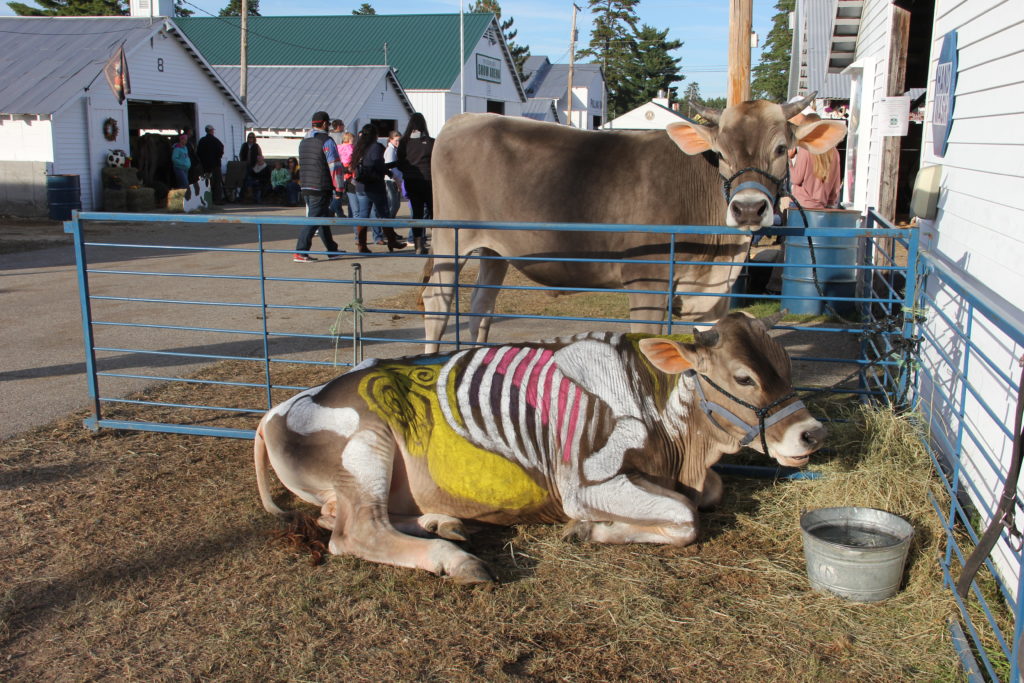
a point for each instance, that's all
(894, 115)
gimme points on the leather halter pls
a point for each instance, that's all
(781, 184)
(764, 421)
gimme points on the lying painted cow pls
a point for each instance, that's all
(613, 432)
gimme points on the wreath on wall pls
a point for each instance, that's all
(110, 129)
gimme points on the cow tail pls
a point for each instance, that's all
(262, 458)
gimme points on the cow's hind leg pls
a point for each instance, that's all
(492, 274)
(364, 529)
(437, 300)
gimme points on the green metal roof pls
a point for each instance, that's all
(422, 48)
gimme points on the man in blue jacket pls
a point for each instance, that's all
(321, 178)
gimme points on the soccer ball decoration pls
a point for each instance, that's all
(117, 158)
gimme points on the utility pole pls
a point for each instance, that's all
(462, 61)
(572, 60)
(740, 25)
(243, 75)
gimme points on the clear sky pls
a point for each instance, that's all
(544, 25)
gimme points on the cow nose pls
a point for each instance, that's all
(812, 439)
(749, 211)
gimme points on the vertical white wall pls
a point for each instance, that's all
(26, 139)
(70, 140)
(980, 212)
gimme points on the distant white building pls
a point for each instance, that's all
(547, 82)
(653, 115)
(59, 116)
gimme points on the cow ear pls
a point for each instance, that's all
(818, 137)
(669, 356)
(692, 138)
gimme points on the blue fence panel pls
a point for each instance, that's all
(971, 346)
(168, 301)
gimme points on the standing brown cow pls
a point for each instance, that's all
(504, 169)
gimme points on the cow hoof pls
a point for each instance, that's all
(446, 527)
(470, 570)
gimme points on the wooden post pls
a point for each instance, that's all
(740, 24)
(243, 61)
(895, 85)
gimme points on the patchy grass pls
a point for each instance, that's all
(142, 556)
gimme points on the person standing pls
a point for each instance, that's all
(211, 151)
(816, 177)
(369, 171)
(321, 178)
(414, 153)
(180, 161)
(393, 181)
(249, 154)
(338, 135)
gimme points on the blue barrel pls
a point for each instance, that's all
(63, 195)
(798, 275)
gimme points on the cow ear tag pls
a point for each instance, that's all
(666, 355)
(692, 138)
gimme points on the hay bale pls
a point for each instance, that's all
(114, 200)
(176, 200)
(141, 199)
(120, 178)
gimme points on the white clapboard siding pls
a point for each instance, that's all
(431, 103)
(71, 146)
(873, 44)
(981, 214)
(26, 139)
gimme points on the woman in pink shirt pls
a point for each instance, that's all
(815, 177)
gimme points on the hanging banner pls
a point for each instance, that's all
(944, 89)
(116, 71)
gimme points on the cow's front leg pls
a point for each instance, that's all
(367, 532)
(632, 509)
(492, 274)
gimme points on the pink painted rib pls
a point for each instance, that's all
(517, 379)
(567, 446)
(507, 358)
(489, 356)
(563, 395)
(538, 368)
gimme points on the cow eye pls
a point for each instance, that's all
(780, 150)
(744, 380)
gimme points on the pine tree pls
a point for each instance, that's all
(365, 9)
(69, 8)
(651, 69)
(690, 96)
(234, 8)
(180, 10)
(610, 46)
(519, 52)
(771, 75)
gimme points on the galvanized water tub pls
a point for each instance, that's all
(855, 553)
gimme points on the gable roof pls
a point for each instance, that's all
(46, 61)
(541, 109)
(650, 115)
(552, 80)
(423, 49)
(286, 96)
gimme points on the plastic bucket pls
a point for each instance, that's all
(63, 195)
(855, 553)
(798, 275)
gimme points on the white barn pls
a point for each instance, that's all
(653, 115)
(59, 116)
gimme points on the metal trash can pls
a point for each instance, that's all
(798, 275)
(63, 195)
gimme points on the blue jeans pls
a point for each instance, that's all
(292, 188)
(317, 206)
(337, 207)
(375, 202)
(180, 177)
